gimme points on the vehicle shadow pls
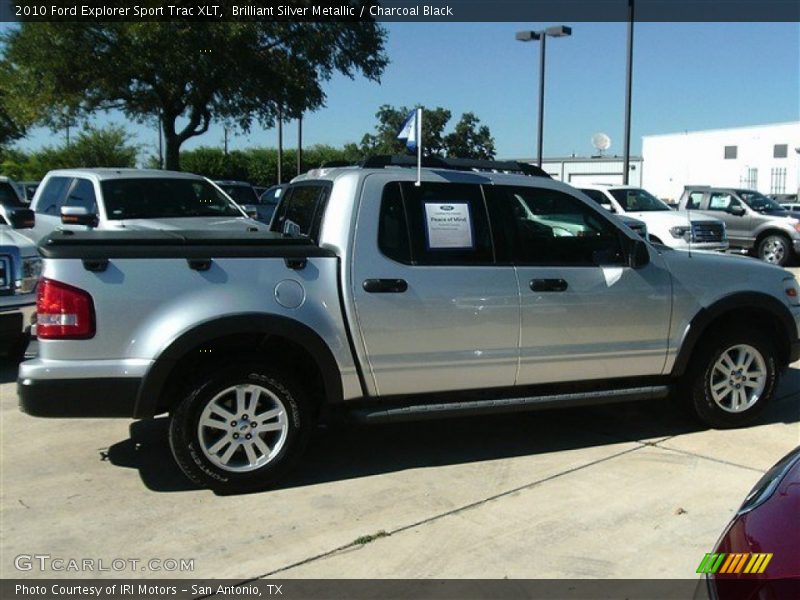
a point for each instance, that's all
(8, 370)
(339, 452)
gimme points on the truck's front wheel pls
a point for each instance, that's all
(734, 378)
(241, 429)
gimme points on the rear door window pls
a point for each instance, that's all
(600, 198)
(52, 196)
(301, 210)
(8, 195)
(721, 201)
(448, 224)
(695, 200)
(82, 194)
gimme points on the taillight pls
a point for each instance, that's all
(63, 312)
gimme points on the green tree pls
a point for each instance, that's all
(259, 166)
(468, 140)
(391, 119)
(92, 147)
(188, 75)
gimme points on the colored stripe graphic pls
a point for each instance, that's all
(735, 563)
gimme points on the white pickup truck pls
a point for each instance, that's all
(489, 287)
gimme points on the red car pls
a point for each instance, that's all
(758, 555)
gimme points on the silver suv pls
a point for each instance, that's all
(131, 199)
(488, 287)
(754, 222)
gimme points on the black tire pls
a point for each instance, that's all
(188, 447)
(700, 377)
(775, 249)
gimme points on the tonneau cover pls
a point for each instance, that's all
(176, 244)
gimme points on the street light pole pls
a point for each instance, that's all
(628, 92)
(540, 134)
(280, 146)
(300, 144)
(528, 36)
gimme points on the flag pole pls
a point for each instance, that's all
(419, 147)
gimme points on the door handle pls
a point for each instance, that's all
(385, 286)
(548, 285)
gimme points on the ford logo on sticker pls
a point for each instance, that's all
(446, 207)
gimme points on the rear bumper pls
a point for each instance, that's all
(794, 353)
(796, 244)
(100, 397)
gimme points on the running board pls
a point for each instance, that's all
(380, 413)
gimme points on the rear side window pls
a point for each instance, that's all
(695, 199)
(8, 195)
(52, 195)
(82, 194)
(301, 210)
(393, 238)
(548, 227)
(600, 198)
(435, 225)
(721, 201)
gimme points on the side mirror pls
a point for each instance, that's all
(78, 215)
(736, 210)
(251, 211)
(638, 254)
(22, 218)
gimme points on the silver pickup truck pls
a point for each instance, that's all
(480, 290)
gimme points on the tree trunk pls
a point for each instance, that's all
(172, 157)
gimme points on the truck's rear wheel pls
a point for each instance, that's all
(733, 379)
(241, 429)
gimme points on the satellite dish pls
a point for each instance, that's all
(601, 142)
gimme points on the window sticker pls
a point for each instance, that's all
(448, 225)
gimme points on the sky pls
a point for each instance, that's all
(687, 76)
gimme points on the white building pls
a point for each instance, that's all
(583, 170)
(763, 157)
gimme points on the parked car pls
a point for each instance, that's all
(758, 554)
(139, 199)
(243, 194)
(385, 300)
(754, 222)
(794, 209)
(13, 211)
(20, 268)
(666, 226)
(783, 198)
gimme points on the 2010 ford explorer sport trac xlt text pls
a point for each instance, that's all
(477, 291)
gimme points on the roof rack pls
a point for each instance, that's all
(453, 164)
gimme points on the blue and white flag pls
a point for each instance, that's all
(408, 132)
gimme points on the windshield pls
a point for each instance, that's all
(759, 202)
(636, 200)
(241, 194)
(153, 198)
(8, 196)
